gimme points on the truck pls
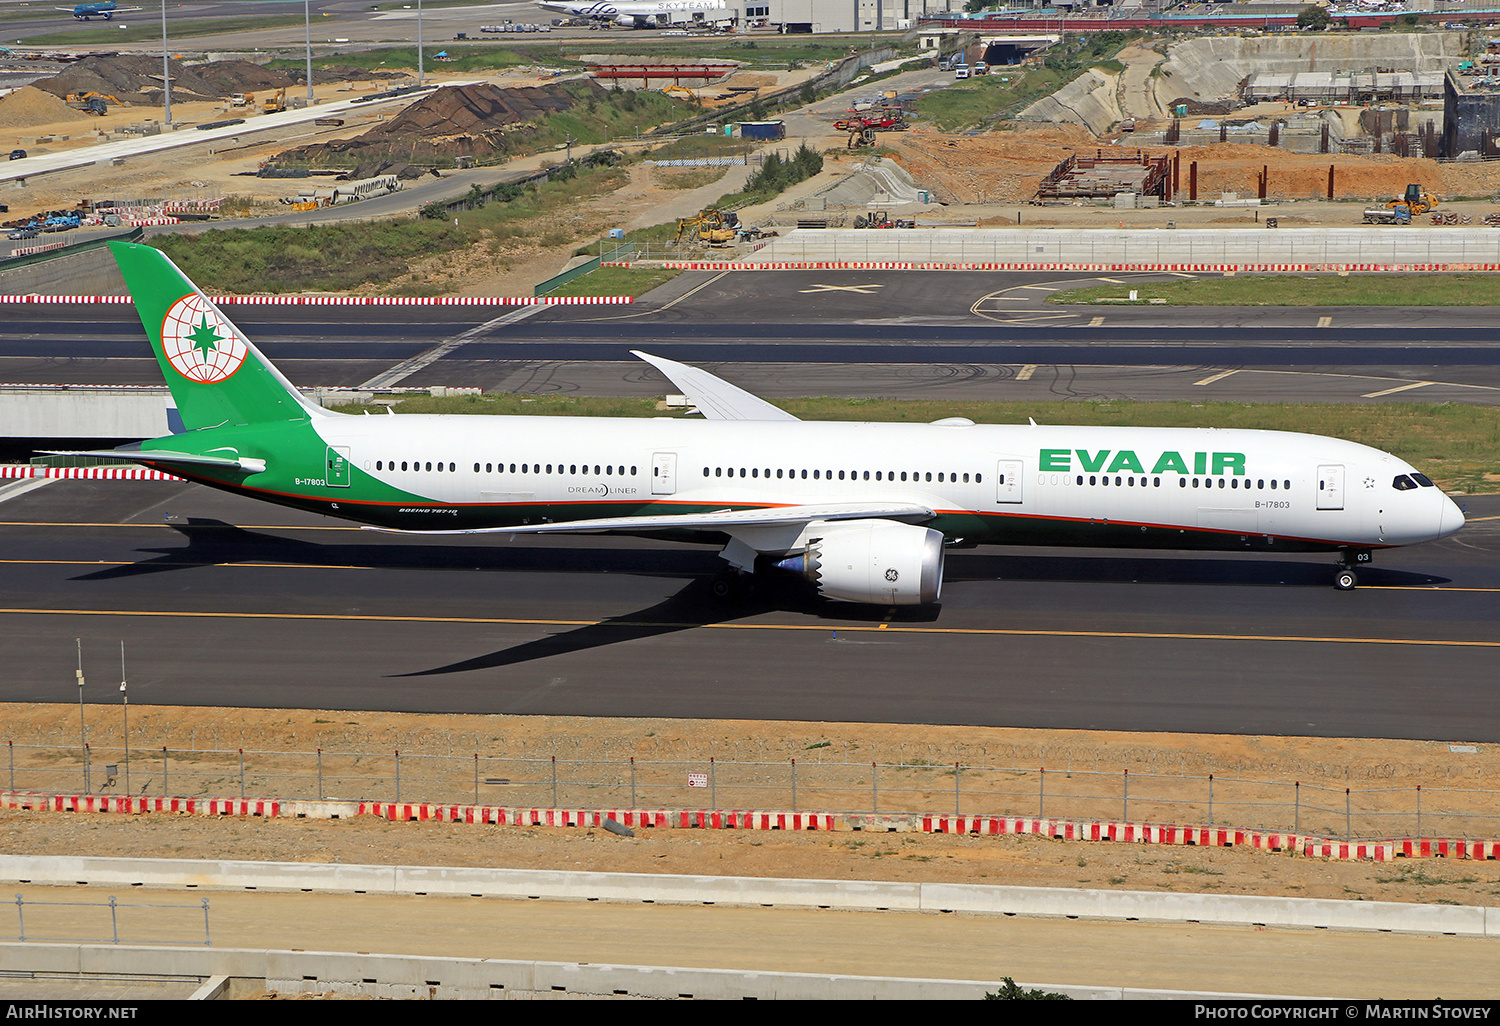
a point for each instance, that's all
(766, 131)
(1399, 214)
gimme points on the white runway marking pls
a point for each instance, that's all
(1398, 388)
(864, 290)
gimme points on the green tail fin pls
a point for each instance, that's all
(217, 377)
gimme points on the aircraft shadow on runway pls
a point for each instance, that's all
(1068, 568)
(214, 542)
(693, 607)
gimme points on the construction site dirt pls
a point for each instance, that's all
(461, 121)
(204, 743)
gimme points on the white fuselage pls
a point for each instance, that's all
(653, 11)
(1188, 488)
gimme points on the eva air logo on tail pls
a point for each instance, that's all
(200, 344)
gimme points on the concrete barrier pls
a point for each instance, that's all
(227, 972)
(1473, 921)
(1186, 250)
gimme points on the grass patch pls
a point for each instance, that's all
(464, 59)
(986, 99)
(343, 257)
(1457, 446)
(616, 281)
(322, 258)
(684, 178)
(150, 29)
(968, 104)
(1299, 290)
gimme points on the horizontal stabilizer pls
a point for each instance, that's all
(720, 520)
(133, 455)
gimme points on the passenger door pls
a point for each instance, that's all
(664, 473)
(1331, 486)
(1008, 481)
(338, 466)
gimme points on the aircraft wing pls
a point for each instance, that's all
(715, 398)
(247, 464)
(720, 520)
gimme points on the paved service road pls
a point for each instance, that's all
(586, 351)
(1190, 957)
(291, 610)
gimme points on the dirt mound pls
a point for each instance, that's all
(455, 121)
(1200, 108)
(476, 109)
(30, 106)
(139, 79)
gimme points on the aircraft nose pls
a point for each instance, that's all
(1450, 518)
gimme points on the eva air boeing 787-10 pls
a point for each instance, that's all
(864, 511)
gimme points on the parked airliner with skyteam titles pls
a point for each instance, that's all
(864, 511)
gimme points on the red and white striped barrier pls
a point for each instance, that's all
(354, 300)
(1349, 852)
(938, 265)
(735, 819)
(14, 472)
(46, 247)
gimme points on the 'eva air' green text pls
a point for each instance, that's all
(1108, 461)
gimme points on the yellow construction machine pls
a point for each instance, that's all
(1415, 200)
(276, 103)
(710, 225)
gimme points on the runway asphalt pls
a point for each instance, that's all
(802, 333)
(287, 609)
(231, 602)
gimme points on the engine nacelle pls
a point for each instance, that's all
(630, 21)
(876, 561)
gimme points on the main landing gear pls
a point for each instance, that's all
(730, 584)
(1344, 578)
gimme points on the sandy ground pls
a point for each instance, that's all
(843, 854)
(989, 179)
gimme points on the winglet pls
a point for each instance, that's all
(715, 397)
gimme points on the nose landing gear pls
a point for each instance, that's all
(1344, 578)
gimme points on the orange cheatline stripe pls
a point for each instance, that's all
(831, 628)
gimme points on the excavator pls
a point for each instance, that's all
(276, 103)
(710, 225)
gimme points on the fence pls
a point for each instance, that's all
(903, 787)
(84, 922)
(1198, 246)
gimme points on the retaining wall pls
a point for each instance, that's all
(1375, 248)
(416, 976)
(1152, 906)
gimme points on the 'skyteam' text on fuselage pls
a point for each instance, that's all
(641, 13)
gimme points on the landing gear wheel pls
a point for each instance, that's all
(1345, 579)
(732, 585)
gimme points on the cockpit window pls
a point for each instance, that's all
(1422, 479)
(1403, 483)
